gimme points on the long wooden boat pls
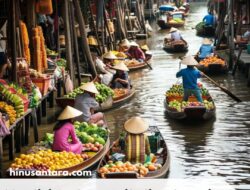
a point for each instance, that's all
(105, 106)
(87, 165)
(138, 66)
(205, 31)
(170, 47)
(213, 68)
(163, 158)
(197, 112)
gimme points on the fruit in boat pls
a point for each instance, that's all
(118, 92)
(212, 60)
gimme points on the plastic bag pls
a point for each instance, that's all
(4, 131)
(68, 84)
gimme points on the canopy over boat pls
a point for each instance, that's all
(166, 8)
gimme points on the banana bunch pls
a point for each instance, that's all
(9, 110)
(15, 100)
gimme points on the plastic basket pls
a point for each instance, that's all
(42, 84)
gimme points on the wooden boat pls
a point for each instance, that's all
(105, 106)
(170, 20)
(163, 157)
(89, 164)
(138, 66)
(213, 68)
(197, 112)
(163, 10)
(175, 46)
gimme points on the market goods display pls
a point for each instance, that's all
(90, 133)
(175, 99)
(176, 20)
(25, 39)
(48, 160)
(36, 74)
(119, 92)
(8, 109)
(119, 166)
(61, 62)
(14, 99)
(131, 62)
(40, 55)
(200, 26)
(51, 52)
(94, 147)
(104, 92)
(212, 60)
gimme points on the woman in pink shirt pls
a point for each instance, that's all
(64, 129)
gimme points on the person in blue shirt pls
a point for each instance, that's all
(189, 78)
(209, 19)
(206, 49)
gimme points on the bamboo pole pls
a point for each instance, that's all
(12, 38)
(75, 42)
(84, 37)
(231, 33)
(69, 56)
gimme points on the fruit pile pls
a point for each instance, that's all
(14, 99)
(180, 106)
(212, 60)
(121, 55)
(119, 166)
(118, 92)
(48, 160)
(200, 26)
(104, 92)
(176, 20)
(51, 52)
(90, 133)
(94, 147)
(131, 62)
(8, 109)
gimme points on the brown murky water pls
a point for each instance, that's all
(219, 148)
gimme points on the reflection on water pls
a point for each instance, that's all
(215, 148)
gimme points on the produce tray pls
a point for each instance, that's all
(42, 84)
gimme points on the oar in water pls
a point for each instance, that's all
(223, 88)
(148, 65)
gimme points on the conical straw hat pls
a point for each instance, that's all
(189, 60)
(207, 41)
(134, 44)
(125, 42)
(121, 66)
(89, 87)
(145, 47)
(109, 55)
(136, 125)
(173, 29)
(69, 113)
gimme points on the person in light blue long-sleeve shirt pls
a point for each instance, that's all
(206, 49)
(190, 76)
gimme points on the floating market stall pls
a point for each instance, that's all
(192, 109)
(172, 19)
(156, 167)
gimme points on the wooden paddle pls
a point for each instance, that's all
(221, 87)
(148, 65)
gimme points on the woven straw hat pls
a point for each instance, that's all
(207, 41)
(182, 8)
(136, 125)
(121, 66)
(189, 60)
(145, 47)
(125, 42)
(173, 29)
(109, 55)
(89, 87)
(69, 113)
(134, 44)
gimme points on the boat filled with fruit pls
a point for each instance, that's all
(107, 97)
(175, 46)
(179, 109)
(156, 166)
(213, 64)
(41, 157)
(134, 64)
(173, 19)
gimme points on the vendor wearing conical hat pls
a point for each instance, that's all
(120, 79)
(137, 143)
(87, 103)
(64, 130)
(109, 58)
(124, 46)
(206, 49)
(135, 52)
(175, 34)
(190, 76)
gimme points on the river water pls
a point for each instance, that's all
(218, 148)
